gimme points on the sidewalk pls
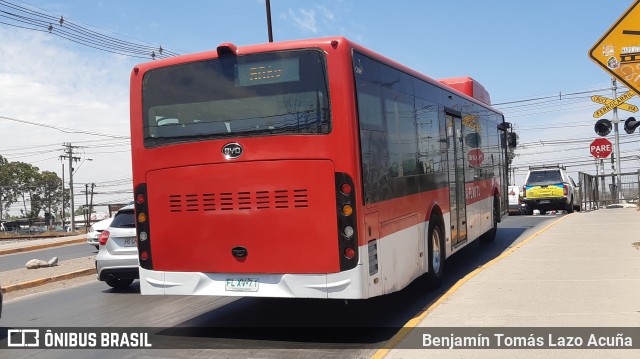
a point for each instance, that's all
(24, 278)
(583, 271)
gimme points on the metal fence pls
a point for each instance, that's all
(601, 190)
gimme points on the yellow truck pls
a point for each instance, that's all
(549, 188)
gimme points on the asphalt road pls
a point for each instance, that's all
(247, 327)
(18, 260)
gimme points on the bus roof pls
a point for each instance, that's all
(463, 86)
(470, 87)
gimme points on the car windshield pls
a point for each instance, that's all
(124, 219)
(542, 178)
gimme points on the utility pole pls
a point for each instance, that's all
(70, 156)
(86, 212)
(63, 196)
(615, 122)
(268, 4)
(88, 207)
(93, 185)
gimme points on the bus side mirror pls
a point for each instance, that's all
(504, 126)
(512, 140)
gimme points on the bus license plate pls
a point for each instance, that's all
(130, 242)
(241, 284)
(545, 202)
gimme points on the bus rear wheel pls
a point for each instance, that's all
(490, 236)
(436, 252)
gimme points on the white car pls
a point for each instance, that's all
(516, 206)
(117, 258)
(95, 230)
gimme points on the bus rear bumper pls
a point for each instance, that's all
(343, 285)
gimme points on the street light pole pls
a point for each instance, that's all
(615, 122)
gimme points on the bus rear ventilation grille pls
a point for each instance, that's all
(238, 201)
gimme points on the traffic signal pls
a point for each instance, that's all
(630, 125)
(603, 127)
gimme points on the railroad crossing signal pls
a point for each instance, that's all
(618, 50)
(603, 127)
(600, 148)
(611, 104)
(630, 125)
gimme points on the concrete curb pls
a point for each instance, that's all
(43, 281)
(41, 246)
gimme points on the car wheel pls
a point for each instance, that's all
(570, 206)
(436, 252)
(119, 283)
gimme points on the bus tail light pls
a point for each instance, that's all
(348, 231)
(349, 252)
(347, 221)
(142, 226)
(347, 210)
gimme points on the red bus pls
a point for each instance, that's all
(310, 169)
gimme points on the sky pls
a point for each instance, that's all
(532, 57)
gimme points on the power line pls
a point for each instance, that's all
(63, 129)
(25, 18)
(558, 97)
(537, 105)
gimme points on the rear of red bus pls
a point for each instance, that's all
(245, 165)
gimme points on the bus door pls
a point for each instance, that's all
(455, 168)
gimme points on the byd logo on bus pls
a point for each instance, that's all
(232, 150)
(600, 148)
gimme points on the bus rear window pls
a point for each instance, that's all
(254, 95)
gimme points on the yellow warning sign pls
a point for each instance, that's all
(618, 50)
(611, 104)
